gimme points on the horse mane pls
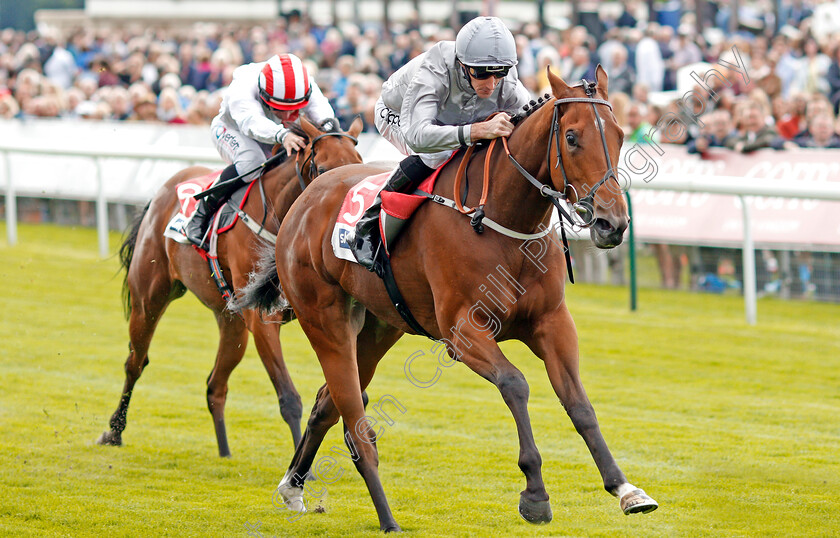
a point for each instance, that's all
(298, 130)
(329, 125)
(530, 108)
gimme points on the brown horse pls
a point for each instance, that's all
(445, 271)
(160, 270)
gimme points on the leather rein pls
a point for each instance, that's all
(313, 167)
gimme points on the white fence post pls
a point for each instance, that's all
(101, 210)
(11, 202)
(748, 257)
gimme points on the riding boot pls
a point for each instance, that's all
(405, 178)
(196, 228)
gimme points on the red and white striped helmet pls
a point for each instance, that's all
(284, 83)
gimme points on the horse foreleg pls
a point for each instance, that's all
(555, 342)
(267, 341)
(233, 339)
(484, 357)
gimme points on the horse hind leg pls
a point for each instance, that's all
(372, 344)
(146, 310)
(233, 339)
(267, 341)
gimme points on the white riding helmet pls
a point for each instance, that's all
(486, 41)
(284, 83)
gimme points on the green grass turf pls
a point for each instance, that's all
(733, 429)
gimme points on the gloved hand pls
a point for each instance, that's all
(291, 141)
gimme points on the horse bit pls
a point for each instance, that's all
(313, 168)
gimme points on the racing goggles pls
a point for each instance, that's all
(482, 72)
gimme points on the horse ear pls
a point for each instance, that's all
(602, 78)
(310, 130)
(558, 87)
(356, 127)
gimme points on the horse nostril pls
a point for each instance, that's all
(604, 227)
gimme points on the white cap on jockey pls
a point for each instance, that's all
(284, 83)
(486, 41)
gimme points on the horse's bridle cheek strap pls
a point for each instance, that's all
(584, 205)
(313, 169)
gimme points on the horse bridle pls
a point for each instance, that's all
(313, 167)
(584, 207)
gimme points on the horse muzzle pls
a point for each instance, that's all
(608, 232)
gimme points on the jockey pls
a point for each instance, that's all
(261, 101)
(435, 104)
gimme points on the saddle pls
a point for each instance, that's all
(223, 220)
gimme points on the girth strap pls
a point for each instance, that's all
(398, 300)
(219, 278)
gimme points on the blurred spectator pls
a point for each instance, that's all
(833, 79)
(622, 76)
(145, 109)
(715, 134)
(620, 102)
(169, 107)
(650, 66)
(820, 133)
(120, 103)
(812, 70)
(637, 126)
(581, 66)
(61, 67)
(100, 67)
(8, 106)
(607, 50)
(353, 103)
(753, 131)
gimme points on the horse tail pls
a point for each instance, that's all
(263, 291)
(127, 253)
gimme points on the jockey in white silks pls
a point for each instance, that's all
(262, 100)
(436, 104)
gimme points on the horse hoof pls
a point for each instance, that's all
(637, 502)
(109, 438)
(535, 512)
(288, 497)
(391, 528)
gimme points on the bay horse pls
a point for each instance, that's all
(159, 270)
(569, 144)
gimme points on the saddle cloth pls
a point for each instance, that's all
(358, 199)
(223, 219)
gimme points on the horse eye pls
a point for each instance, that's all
(321, 170)
(571, 139)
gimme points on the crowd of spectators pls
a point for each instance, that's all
(175, 75)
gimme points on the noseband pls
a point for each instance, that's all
(313, 168)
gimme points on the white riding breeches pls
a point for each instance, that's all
(236, 148)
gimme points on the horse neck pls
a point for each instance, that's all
(281, 187)
(513, 201)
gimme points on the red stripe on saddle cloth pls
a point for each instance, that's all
(402, 206)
